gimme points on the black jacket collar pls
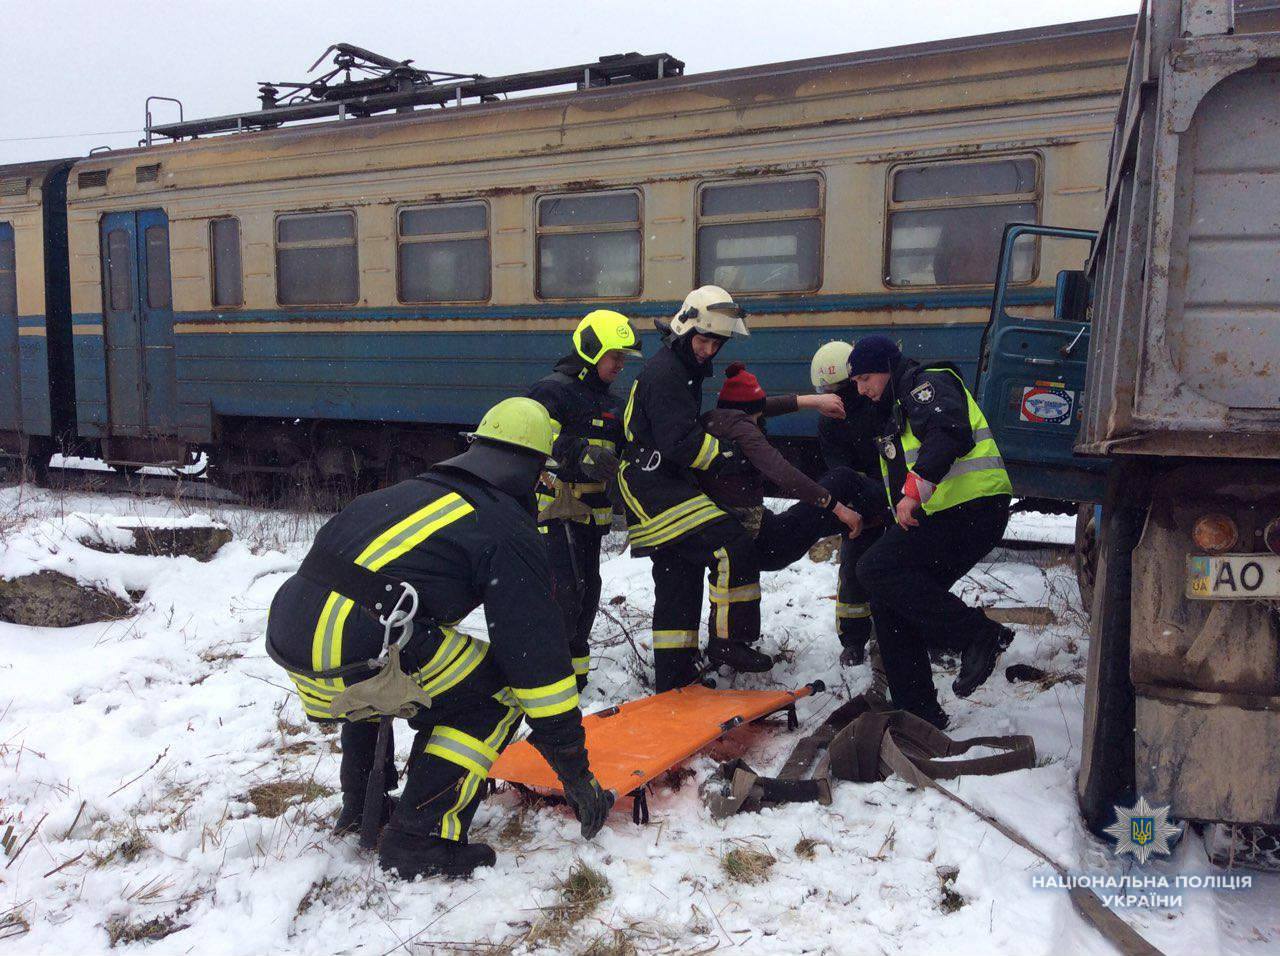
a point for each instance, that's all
(574, 367)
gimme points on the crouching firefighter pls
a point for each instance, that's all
(670, 519)
(366, 631)
(574, 511)
(949, 491)
(849, 442)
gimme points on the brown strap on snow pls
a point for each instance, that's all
(888, 743)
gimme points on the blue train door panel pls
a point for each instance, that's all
(137, 306)
(10, 382)
(1032, 376)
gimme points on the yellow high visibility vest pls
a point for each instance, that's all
(979, 474)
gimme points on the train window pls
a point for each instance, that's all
(945, 221)
(589, 245)
(224, 246)
(762, 236)
(444, 253)
(8, 273)
(120, 270)
(159, 295)
(316, 259)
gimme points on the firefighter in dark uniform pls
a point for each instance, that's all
(458, 536)
(949, 491)
(670, 519)
(849, 442)
(573, 505)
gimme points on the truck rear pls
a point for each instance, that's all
(1157, 385)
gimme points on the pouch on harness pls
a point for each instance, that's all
(389, 692)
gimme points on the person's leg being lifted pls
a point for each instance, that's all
(451, 758)
(734, 578)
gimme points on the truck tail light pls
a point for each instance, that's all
(1215, 532)
(1271, 536)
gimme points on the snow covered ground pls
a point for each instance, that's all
(145, 756)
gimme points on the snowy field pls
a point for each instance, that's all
(165, 793)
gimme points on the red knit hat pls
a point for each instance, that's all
(741, 390)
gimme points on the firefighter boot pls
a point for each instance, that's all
(408, 855)
(738, 656)
(979, 659)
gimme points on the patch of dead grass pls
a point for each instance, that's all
(274, 798)
(121, 931)
(745, 865)
(578, 894)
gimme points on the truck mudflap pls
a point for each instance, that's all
(1209, 756)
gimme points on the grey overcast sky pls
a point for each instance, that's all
(79, 71)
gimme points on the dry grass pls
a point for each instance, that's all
(744, 865)
(806, 848)
(578, 894)
(274, 798)
(14, 923)
(616, 942)
(122, 931)
(132, 844)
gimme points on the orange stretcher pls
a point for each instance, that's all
(635, 742)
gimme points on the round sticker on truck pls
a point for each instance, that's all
(1046, 404)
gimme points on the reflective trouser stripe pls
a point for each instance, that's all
(549, 699)
(743, 592)
(466, 751)
(326, 644)
(315, 704)
(603, 517)
(846, 611)
(473, 755)
(722, 584)
(582, 665)
(706, 453)
(628, 497)
(671, 640)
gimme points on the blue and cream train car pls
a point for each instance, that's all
(36, 388)
(342, 296)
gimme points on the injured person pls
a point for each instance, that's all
(834, 504)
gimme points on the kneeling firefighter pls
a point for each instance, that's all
(420, 556)
(670, 519)
(574, 512)
(949, 491)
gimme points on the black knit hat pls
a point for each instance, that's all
(873, 353)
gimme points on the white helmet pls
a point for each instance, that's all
(709, 310)
(830, 366)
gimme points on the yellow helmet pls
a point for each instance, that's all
(604, 331)
(520, 422)
(830, 365)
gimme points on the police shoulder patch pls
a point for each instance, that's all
(923, 393)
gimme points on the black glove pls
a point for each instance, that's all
(598, 463)
(591, 805)
(582, 791)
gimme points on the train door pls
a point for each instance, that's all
(138, 322)
(10, 394)
(1032, 375)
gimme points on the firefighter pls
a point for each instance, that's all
(574, 509)
(461, 535)
(848, 442)
(949, 491)
(670, 519)
(822, 508)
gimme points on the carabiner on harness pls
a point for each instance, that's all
(400, 616)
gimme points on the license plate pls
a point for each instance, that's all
(1226, 576)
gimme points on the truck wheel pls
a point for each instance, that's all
(1085, 554)
(1106, 777)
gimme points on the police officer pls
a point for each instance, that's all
(456, 537)
(670, 519)
(849, 442)
(949, 491)
(574, 509)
